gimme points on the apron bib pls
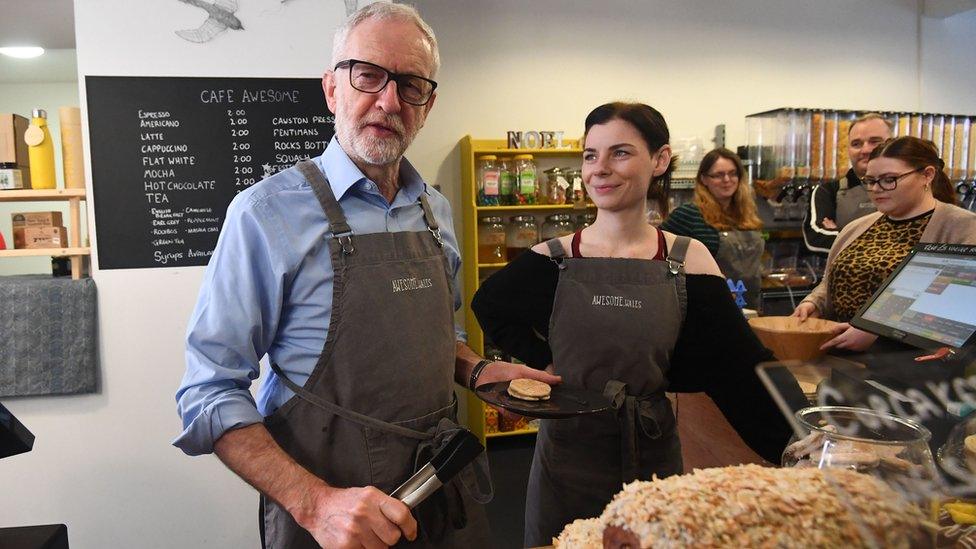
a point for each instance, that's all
(614, 325)
(739, 257)
(852, 203)
(381, 397)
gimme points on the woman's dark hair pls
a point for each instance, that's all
(651, 125)
(919, 154)
(741, 214)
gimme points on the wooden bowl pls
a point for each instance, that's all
(789, 339)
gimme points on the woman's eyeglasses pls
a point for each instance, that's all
(733, 175)
(886, 183)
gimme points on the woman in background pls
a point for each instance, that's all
(916, 203)
(631, 311)
(723, 217)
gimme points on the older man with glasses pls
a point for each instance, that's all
(344, 271)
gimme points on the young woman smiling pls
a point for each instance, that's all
(623, 308)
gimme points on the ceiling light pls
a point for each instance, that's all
(23, 52)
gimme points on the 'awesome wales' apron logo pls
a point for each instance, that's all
(408, 284)
(616, 301)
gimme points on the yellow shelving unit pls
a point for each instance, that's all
(74, 197)
(471, 149)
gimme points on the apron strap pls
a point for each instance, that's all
(556, 249)
(430, 220)
(355, 417)
(677, 253)
(676, 265)
(323, 192)
(638, 416)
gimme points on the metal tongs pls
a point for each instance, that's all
(460, 450)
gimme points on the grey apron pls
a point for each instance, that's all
(739, 257)
(852, 203)
(614, 325)
(381, 397)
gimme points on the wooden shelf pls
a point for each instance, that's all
(523, 207)
(41, 195)
(45, 251)
(73, 197)
(472, 270)
(530, 431)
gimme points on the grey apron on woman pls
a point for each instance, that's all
(852, 203)
(614, 325)
(381, 396)
(740, 258)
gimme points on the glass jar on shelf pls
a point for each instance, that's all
(830, 145)
(556, 186)
(506, 181)
(577, 191)
(557, 225)
(491, 240)
(904, 124)
(522, 234)
(526, 180)
(915, 124)
(654, 216)
(786, 147)
(488, 181)
(816, 146)
(927, 126)
(844, 121)
(947, 140)
(800, 124)
(960, 144)
(938, 125)
(585, 220)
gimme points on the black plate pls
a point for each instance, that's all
(564, 401)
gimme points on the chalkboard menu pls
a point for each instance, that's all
(169, 154)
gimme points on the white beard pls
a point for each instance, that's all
(373, 150)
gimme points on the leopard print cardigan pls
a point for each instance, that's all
(861, 267)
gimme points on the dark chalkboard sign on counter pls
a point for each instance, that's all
(170, 153)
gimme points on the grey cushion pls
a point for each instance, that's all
(47, 335)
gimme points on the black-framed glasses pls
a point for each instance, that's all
(370, 78)
(888, 182)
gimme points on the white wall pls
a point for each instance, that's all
(20, 99)
(948, 82)
(103, 463)
(700, 62)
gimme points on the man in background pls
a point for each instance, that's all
(836, 203)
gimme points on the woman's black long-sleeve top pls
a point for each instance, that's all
(716, 351)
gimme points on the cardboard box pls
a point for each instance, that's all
(13, 179)
(29, 238)
(13, 148)
(36, 219)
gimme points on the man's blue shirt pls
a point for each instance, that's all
(268, 290)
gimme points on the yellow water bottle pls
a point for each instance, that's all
(40, 151)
